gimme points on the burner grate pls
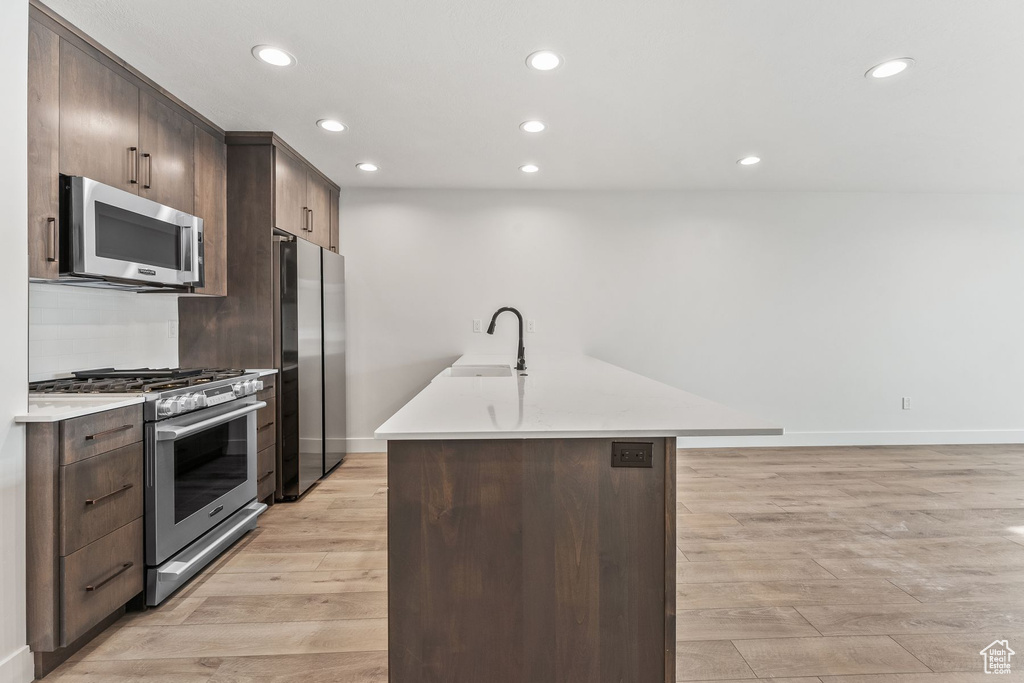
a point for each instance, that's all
(140, 380)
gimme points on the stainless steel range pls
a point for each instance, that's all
(200, 469)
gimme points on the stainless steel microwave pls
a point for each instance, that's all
(109, 237)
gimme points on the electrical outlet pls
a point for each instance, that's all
(632, 454)
(906, 403)
(478, 325)
(172, 329)
(531, 325)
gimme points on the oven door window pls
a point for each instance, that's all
(126, 236)
(209, 464)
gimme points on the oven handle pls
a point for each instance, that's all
(173, 433)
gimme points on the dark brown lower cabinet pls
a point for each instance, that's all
(84, 540)
(517, 561)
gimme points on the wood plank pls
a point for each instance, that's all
(950, 617)
(348, 667)
(367, 559)
(250, 562)
(958, 651)
(782, 593)
(778, 657)
(177, 670)
(296, 583)
(750, 570)
(710, 660)
(748, 622)
(238, 640)
(289, 608)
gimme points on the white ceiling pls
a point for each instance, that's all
(653, 93)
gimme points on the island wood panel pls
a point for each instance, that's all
(526, 560)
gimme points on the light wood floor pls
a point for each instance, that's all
(839, 565)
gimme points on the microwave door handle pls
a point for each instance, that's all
(168, 433)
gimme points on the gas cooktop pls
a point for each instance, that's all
(132, 381)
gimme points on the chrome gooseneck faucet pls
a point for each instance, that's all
(521, 361)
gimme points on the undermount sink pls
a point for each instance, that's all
(480, 371)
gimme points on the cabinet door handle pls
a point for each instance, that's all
(133, 165)
(264, 477)
(311, 220)
(108, 432)
(124, 567)
(149, 171)
(93, 501)
(51, 223)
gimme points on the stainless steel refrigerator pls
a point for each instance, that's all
(309, 317)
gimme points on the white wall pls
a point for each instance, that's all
(75, 328)
(818, 311)
(15, 659)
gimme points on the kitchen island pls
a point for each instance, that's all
(531, 522)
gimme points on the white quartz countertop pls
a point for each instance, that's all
(560, 396)
(263, 372)
(51, 408)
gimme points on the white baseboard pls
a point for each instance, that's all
(371, 445)
(17, 667)
(367, 445)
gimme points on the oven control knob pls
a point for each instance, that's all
(239, 389)
(200, 400)
(188, 402)
(250, 387)
(259, 384)
(164, 407)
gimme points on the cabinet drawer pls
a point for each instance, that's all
(99, 578)
(99, 495)
(84, 437)
(266, 425)
(266, 467)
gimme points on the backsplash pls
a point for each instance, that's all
(73, 328)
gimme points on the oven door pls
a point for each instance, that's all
(201, 468)
(118, 235)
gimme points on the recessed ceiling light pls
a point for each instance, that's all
(544, 60)
(749, 161)
(532, 126)
(529, 168)
(331, 125)
(890, 68)
(367, 166)
(273, 55)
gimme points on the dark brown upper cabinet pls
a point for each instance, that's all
(318, 198)
(335, 208)
(166, 173)
(99, 121)
(43, 151)
(290, 207)
(211, 178)
(303, 200)
(91, 114)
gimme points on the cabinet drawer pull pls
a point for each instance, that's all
(133, 164)
(124, 567)
(93, 501)
(51, 223)
(149, 171)
(264, 477)
(269, 424)
(108, 432)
